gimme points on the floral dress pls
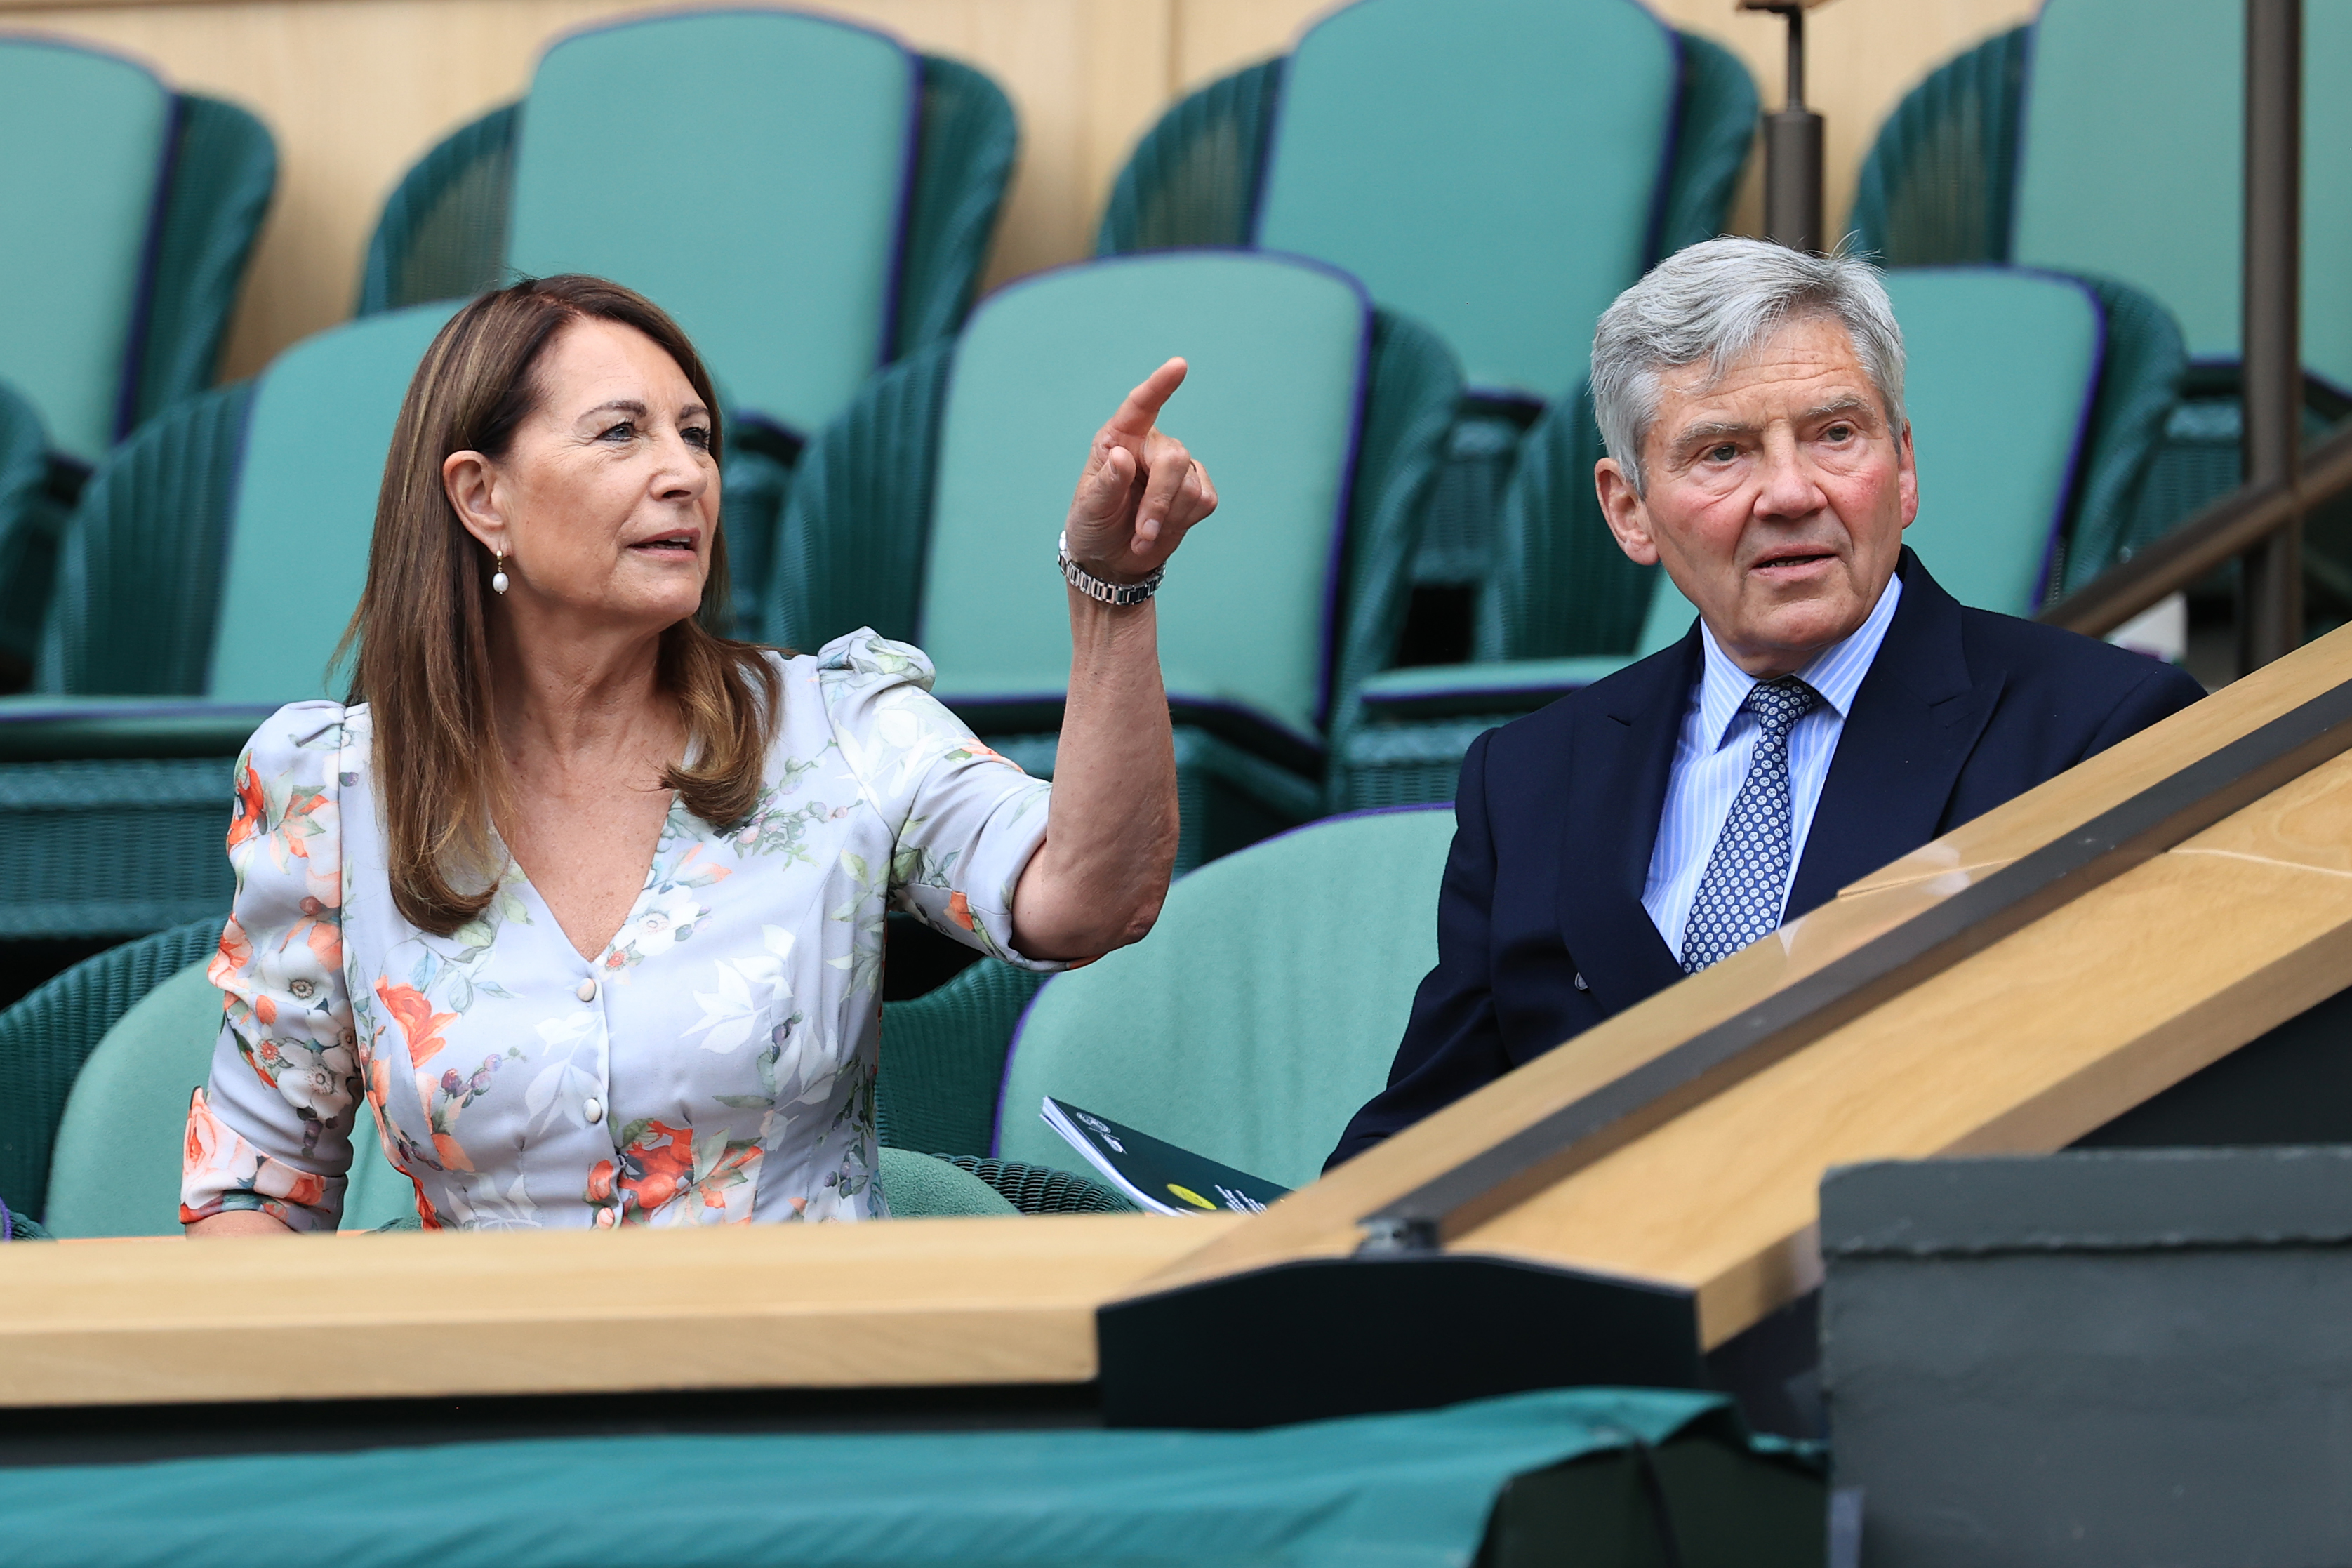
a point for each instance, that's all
(715, 1063)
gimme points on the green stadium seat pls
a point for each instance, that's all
(845, 193)
(1263, 1010)
(32, 516)
(927, 511)
(133, 212)
(2035, 399)
(2106, 138)
(172, 632)
(1496, 170)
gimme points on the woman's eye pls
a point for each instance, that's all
(623, 431)
(696, 437)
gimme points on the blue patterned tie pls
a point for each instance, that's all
(1746, 878)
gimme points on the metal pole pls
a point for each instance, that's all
(2270, 591)
(1792, 146)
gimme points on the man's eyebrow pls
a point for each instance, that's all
(1713, 429)
(1848, 405)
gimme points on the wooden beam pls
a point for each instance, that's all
(908, 1303)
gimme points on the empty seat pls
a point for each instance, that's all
(1265, 1008)
(828, 202)
(929, 510)
(2107, 138)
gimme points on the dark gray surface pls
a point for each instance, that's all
(2098, 1357)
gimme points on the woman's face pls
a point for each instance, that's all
(607, 500)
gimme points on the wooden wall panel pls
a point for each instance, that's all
(356, 90)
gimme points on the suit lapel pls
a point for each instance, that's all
(1621, 754)
(1915, 719)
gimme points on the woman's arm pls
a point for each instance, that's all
(1098, 880)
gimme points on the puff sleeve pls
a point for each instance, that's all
(271, 1131)
(966, 819)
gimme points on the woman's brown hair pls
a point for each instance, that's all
(422, 632)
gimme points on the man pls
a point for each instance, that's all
(1832, 710)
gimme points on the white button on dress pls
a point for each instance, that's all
(593, 1111)
(587, 992)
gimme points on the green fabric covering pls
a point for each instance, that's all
(115, 1168)
(924, 1186)
(32, 518)
(1275, 349)
(2006, 365)
(857, 529)
(46, 1036)
(139, 572)
(1714, 128)
(1042, 1189)
(792, 149)
(1194, 179)
(2140, 378)
(1316, 939)
(112, 848)
(1493, 170)
(306, 493)
(1388, 1491)
(2131, 163)
(224, 169)
(442, 231)
(1939, 181)
(943, 1058)
(89, 137)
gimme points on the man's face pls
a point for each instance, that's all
(1778, 496)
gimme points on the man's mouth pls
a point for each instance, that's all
(1792, 560)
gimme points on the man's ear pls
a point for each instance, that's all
(1906, 474)
(471, 485)
(1629, 519)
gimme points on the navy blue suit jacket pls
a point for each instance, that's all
(1540, 928)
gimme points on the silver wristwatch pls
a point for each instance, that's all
(1117, 594)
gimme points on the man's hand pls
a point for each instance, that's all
(1140, 490)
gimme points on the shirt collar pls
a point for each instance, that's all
(1835, 672)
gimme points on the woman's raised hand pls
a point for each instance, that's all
(1140, 490)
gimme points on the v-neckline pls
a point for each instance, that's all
(595, 960)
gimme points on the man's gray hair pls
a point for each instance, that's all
(1719, 301)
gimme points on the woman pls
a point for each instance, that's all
(445, 902)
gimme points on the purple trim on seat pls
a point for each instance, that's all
(903, 224)
(150, 252)
(1327, 661)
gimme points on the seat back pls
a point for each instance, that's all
(2002, 369)
(1263, 1010)
(1494, 168)
(2132, 165)
(783, 147)
(315, 446)
(1272, 407)
(88, 139)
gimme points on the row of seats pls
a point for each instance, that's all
(1384, 268)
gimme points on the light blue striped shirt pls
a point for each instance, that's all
(1711, 761)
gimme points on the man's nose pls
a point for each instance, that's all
(1787, 487)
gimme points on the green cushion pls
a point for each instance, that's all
(2003, 364)
(2133, 161)
(1276, 348)
(115, 1168)
(923, 1186)
(314, 455)
(781, 147)
(1261, 1011)
(1491, 170)
(87, 135)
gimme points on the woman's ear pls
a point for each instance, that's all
(471, 484)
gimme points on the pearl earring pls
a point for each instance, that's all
(498, 575)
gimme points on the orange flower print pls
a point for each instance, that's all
(600, 1182)
(959, 909)
(418, 1022)
(252, 804)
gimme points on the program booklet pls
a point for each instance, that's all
(1159, 1176)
